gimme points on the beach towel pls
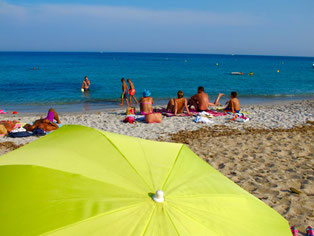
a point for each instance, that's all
(294, 231)
(129, 119)
(39, 132)
(164, 112)
(3, 112)
(240, 118)
(19, 134)
(214, 113)
(16, 130)
(200, 119)
(309, 231)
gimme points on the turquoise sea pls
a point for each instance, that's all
(57, 80)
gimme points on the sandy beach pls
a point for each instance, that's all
(270, 156)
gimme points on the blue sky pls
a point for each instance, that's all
(268, 27)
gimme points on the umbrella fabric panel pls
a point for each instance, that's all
(196, 190)
(44, 199)
(152, 160)
(228, 216)
(127, 221)
(79, 150)
(192, 176)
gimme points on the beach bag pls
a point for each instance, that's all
(130, 111)
(153, 118)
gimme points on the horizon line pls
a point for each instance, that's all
(145, 52)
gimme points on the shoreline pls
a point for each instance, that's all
(283, 115)
(94, 107)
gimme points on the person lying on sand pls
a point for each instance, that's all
(146, 103)
(125, 92)
(234, 103)
(44, 124)
(132, 91)
(176, 105)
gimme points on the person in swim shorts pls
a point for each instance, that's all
(85, 84)
(234, 104)
(125, 92)
(132, 91)
(146, 103)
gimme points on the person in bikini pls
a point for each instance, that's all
(125, 91)
(234, 104)
(47, 123)
(200, 101)
(176, 105)
(132, 91)
(146, 103)
(85, 84)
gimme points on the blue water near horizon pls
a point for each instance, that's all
(57, 80)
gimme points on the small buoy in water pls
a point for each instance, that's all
(277, 71)
(217, 64)
(251, 73)
(34, 68)
(82, 90)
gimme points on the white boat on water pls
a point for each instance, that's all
(236, 73)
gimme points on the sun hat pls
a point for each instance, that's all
(146, 93)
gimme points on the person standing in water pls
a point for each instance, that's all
(132, 91)
(85, 84)
(125, 92)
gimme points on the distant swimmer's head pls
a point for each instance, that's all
(180, 94)
(234, 94)
(122, 80)
(146, 93)
(200, 89)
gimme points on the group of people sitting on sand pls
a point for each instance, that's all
(200, 102)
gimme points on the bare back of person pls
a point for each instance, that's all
(235, 103)
(179, 103)
(146, 105)
(131, 85)
(203, 101)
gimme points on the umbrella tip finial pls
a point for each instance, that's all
(159, 196)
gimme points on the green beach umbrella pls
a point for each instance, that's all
(82, 181)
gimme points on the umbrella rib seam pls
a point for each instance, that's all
(174, 226)
(173, 165)
(149, 220)
(193, 219)
(127, 160)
